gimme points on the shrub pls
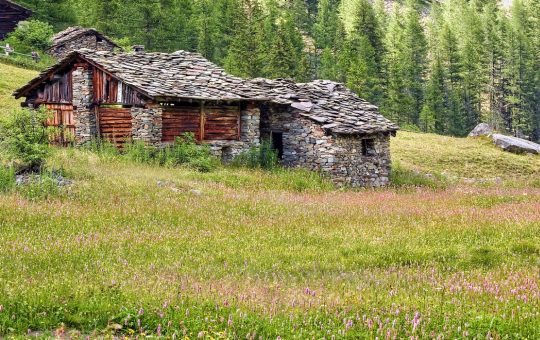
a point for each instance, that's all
(7, 179)
(30, 36)
(25, 139)
(264, 157)
(183, 152)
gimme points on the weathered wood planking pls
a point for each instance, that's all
(109, 90)
(206, 122)
(10, 15)
(180, 119)
(58, 90)
(62, 117)
(222, 123)
(115, 124)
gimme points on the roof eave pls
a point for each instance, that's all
(166, 98)
(19, 7)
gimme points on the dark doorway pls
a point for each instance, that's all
(277, 143)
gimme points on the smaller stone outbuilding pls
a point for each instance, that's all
(76, 38)
(326, 127)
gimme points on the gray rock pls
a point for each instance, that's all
(515, 145)
(481, 129)
(195, 192)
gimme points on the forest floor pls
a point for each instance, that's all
(135, 249)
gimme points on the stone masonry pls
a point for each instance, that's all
(307, 145)
(147, 124)
(83, 112)
(89, 41)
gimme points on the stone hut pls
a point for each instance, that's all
(10, 15)
(76, 38)
(324, 126)
(156, 97)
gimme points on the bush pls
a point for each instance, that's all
(7, 178)
(25, 139)
(183, 152)
(264, 157)
(31, 35)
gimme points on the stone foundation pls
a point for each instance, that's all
(83, 112)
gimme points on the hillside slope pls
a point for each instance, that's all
(456, 158)
(11, 78)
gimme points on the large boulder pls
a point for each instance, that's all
(515, 145)
(481, 129)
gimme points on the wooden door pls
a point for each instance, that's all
(62, 119)
(115, 124)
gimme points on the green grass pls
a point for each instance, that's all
(135, 249)
(462, 158)
(11, 78)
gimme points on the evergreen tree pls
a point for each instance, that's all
(244, 55)
(362, 54)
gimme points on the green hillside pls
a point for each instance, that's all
(12, 77)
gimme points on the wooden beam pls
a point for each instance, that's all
(201, 130)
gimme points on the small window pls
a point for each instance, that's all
(368, 147)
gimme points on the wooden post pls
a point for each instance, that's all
(201, 130)
(239, 121)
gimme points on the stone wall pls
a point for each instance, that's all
(352, 168)
(86, 41)
(147, 124)
(306, 145)
(83, 112)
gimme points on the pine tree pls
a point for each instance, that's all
(434, 111)
(363, 53)
(244, 55)
(394, 69)
(517, 70)
(326, 24)
(414, 57)
(493, 30)
(404, 62)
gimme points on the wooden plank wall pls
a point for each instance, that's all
(216, 122)
(62, 116)
(59, 90)
(115, 124)
(221, 123)
(9, 18)
(109, 90)
(177, 120)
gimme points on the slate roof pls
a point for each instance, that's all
(188, 75)
(330, 104)
(164, 76)
(72, 33)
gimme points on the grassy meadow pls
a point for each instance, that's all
(137, 250)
